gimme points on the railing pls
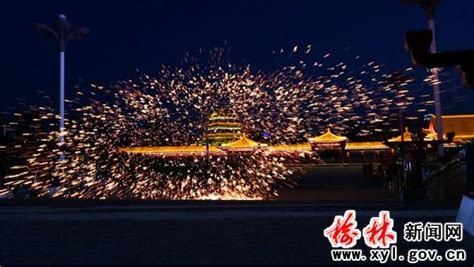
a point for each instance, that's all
(452, 179)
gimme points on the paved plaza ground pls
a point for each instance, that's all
(141, 232)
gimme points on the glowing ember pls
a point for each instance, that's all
(283, 108)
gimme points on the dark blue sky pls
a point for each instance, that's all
(146, 34)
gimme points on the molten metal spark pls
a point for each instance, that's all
(172, 109)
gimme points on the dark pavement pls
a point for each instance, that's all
(334, 183)
(237, 234)
(131, 232)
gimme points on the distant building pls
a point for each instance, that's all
(243, 144)
(336, 148)
(225, 136)
(461, 125)
(222, 128)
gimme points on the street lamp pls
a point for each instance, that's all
(396, 79)
(429, 6)
(62, 34)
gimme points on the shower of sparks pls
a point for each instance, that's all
(172, 108)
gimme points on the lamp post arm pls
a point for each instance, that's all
(78, 34)
(429, 6)
(46, 31)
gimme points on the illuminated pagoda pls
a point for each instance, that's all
(330, 147)
(407, 137)
(416, 143)
(367, 151)
(222, 128)
(243, 144)
(225, 136)
(328, 140)
(461, 125)
(457, 129)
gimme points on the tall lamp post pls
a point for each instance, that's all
(62, 34)
(429, 6)
(396, 79)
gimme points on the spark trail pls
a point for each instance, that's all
(172, 108)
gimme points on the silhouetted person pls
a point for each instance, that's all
(370, 169)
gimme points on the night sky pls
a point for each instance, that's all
(130, 35)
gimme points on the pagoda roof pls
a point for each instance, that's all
(221, 116)
(224, 124)
(224, 134)
(328, 137)
(407, 137)
(243, 143)
(461, 125)
(214, 128)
